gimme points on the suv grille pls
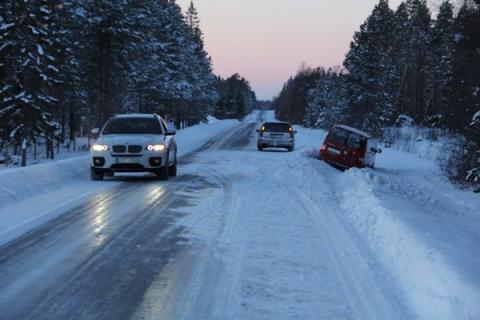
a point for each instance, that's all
(135, 149)
(119, 149)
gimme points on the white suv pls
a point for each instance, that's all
(135, 143)
(276, 135)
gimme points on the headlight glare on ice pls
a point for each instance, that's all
(99, 147)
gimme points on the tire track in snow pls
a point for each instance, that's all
(326, 217)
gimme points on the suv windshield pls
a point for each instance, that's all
(277, 127)
(132, 126)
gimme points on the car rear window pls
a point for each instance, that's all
(349, 139)
(338, 136)
(132, 126)
(355, 141)
(277, 127)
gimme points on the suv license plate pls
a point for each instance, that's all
(127, 160)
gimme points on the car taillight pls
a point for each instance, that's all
(323, 148)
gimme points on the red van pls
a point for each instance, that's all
(347, 147)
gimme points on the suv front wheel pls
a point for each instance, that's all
(172, 170)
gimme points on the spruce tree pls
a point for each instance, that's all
(411, 98)
(465, 100)
(193, 22)
(32, 73)
(327, 101)
(371, 71)
(441, 66)
(237, 99)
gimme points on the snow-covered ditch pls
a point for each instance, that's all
(418, 225)
(427, 143)
(21, 183)
(431, 283)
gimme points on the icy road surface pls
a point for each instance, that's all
(239, 234)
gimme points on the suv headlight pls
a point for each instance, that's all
(100, 147)
(156, 147)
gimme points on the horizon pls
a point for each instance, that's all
(315, 34)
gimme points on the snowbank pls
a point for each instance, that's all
(434, 288)
(425, 143)
(192, 138)
(21, 183)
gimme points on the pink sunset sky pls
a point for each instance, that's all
(267, 40)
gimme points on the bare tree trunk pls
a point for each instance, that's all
(35, 155)
(24, 152)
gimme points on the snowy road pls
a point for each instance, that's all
(239, 234)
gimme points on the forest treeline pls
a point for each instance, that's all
(402, 62)
(67, 66)
(237, 99)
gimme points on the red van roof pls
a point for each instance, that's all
(351, 129)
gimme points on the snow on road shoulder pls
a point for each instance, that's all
(422, 228)
(192, 138)
(32, 195)
(435, 290)
(22, 183)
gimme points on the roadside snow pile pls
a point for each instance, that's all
(426, 143)
(18, 184)
(252, 117)
(21, 183)
(434, 289)
(211, 119)
(192, 138)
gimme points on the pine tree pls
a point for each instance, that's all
(193, 22)
(237, 99)
(372, 73)
(413, 35)
(464, 99)
(32, 74)
(78, 62)
(401, 52)
(6, 95)
(327, 101)
(292, 103)
(441, 66)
